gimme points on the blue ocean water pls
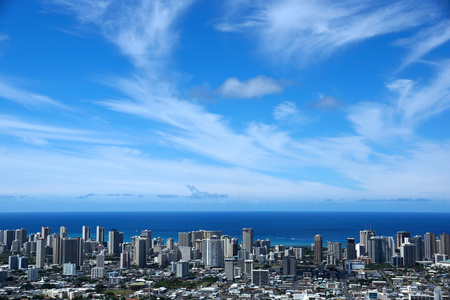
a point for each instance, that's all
(287, 228)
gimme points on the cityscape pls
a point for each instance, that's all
(206, 264)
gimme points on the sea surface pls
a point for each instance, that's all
(286, 228)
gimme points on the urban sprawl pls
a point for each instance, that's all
(208, 265)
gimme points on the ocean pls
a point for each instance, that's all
(286, 228)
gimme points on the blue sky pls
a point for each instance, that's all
(224, 105)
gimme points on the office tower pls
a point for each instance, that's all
(248, 268)
(229, 269)
(445, 244)
(335, 250)
(23, 262)
(147, 235)
(182, 268)
(364, 236)
(13, 262)
(57, 250)
(379, 250)
(63, 232)
(125, 260)
(170, 242)
(86, 233)
(100, 236)
(8, 238)
(351, 249)
(45, 232)
(429, 245)
(100, 260)
(289, 265)
(98, 272)
(318, 255)
(15, 246)
(70, 269)
(417, 240)
(113, 242)
(260, 277)
(32, 274)
(40, 253)
(80, 251)
(185, 239)
(69, 251)
(400, 238)
(21, 236)
(139, 253)
(408, 253)
(247, 239)
(212, 254)
(227, 246)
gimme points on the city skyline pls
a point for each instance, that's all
(197, 105)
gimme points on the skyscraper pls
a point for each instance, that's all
(419, 252)
(113, 242)
(139, 253)
(318, 252)
(185, 239)
(351, 249)
(69, 251)
(247, 239)
(45, 232)
(86, 233)
(379, 250)
(57, 250)
(445, 244)
(400, 238)
(63, 232)
(40, 253)
(429, 245)
(229, 269)
(364, 236)
(100, 236)
(212, 252)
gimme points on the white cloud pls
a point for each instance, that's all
(426, 41)
(304, 31)
(254, 87)
(288, 112)
(26, 98)
(39, 134)
(143, 30)
(328, 102)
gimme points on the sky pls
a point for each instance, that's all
(224, 105)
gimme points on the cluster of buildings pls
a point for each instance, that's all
(243, 267)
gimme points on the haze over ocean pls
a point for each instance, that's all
(287, 228)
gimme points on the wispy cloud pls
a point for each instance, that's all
(287, 112)
(328, 103)
(254, 87)
(3, 37)
(26, 98)
(143, 30)
(425, 41)
(39, 135)
(305, 31)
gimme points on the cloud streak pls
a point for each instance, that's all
(254, 87)
(305, 31)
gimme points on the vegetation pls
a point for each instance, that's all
(178, 283)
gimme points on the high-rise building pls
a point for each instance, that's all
(63, 232)
(408, 253)
(86, 233)
(364, 236)
(351, 249)
(260, 277)
(8, 238)
(229, 269)
(417, 240)
(69, 251)
(247, 239)
(379, 250)
(289, 265)
(140, 253)
(114, 241)
(444, 244)
(318, 252)
(45, 232)
(212, 252)
(125, 260)
(100, 236)
(185, 239)
(429, 245)
(400, 238)
(57, 250)
(335, 250)
(40, 253)
(21, 235)
(147, 236)
(248, 268)
(32, 274)
(100, 260)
